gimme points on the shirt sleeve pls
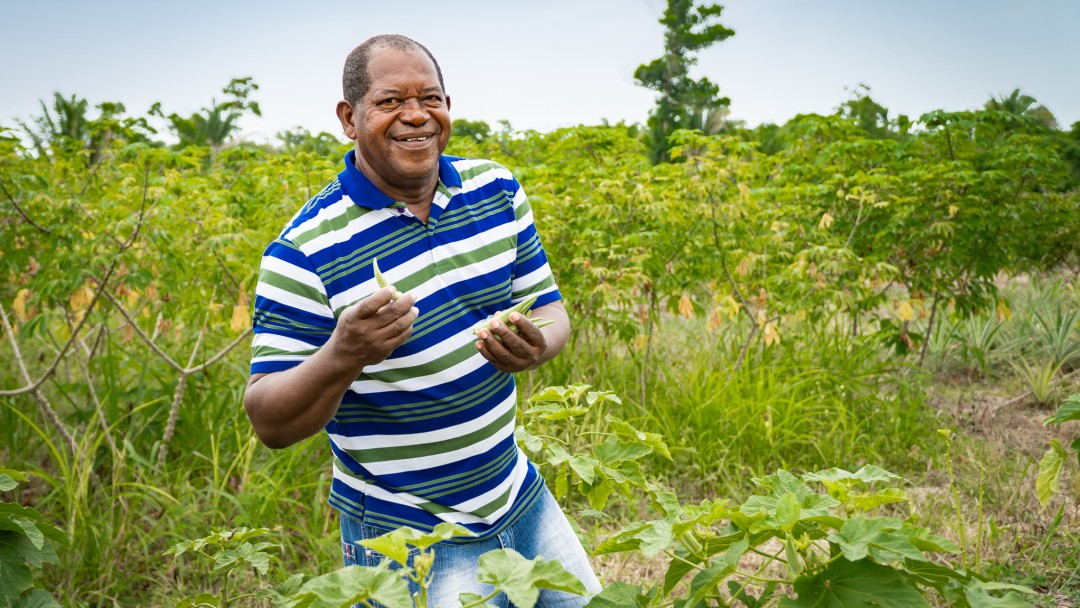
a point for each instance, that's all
(292, 318)
(532, 273)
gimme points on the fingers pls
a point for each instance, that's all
(511, 351)
(381, 308)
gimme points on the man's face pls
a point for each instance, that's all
(402, 125)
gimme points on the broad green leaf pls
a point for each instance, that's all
(522, 579)
(925, 541)
(280, 595)
(36, 598)
(619, 595)
(878, 538)
(599, 494)
(655, 538)
(14, 573)
(347, 586)
(615, 450)
(247, 553)
(625, 540)
(931, 574)
(787, 511)
(7, 482)
(862, 584)
(585, 467)
(981, 594)
(865, 502)
(1047, 483)
(594, 397)
(872, 473)
(531, 442)
(1069, 410)
(31, 531)
(626, 431)
(16, 476)
(559, 393)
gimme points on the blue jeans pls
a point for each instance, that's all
(541, 531)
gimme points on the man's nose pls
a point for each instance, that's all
(414, 112)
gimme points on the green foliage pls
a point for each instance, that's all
(1052, 464)
(683, 102)
(229, 551)
(213, 126)
(27, 540)
(473, 130)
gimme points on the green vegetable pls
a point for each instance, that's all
(503, 317)
(381, 280)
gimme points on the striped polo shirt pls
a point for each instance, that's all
(427, 435)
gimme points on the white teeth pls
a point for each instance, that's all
(417, 139)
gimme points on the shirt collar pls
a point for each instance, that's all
(364, 193)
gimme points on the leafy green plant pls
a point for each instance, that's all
(1052, 464)
(815, 548)
(1039, 378)
(387, 584)
(229, 551)
(27, 540)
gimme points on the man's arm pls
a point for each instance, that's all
(530, 347)
(288, 406)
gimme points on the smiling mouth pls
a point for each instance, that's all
(412, 139)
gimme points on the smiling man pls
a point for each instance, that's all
(420, 412)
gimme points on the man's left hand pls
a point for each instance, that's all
(511, 351)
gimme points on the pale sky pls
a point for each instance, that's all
(540, 65)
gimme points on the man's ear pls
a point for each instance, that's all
(345, 115)
(447, 102)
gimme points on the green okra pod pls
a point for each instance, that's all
(381, 280)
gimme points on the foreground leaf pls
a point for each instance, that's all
(862, 584)
(619, 595)
(1047, 484)
(347, 586)
(522, 579)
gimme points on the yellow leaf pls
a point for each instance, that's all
(686, 307)
(953, 210)
(733, 306)
(825, 222)
(1002, 311)
(714, 321)
(906, 312)
(743, 268)
(80, 301)
(20, 305)
(772, 335)
(241, 317)
(761, 317)
(640, 341)
(81, 297)
(132, 297)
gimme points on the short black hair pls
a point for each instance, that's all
(355, 80)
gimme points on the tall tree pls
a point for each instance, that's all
(1022, 104)
(214, 126)
(683, 103)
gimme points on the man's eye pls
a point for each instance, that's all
(389, 102)
(433, 100)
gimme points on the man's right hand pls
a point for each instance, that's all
(287, 406)
(369, 330)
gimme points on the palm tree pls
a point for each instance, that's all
(1021, 104)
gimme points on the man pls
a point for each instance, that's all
(419, 410)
